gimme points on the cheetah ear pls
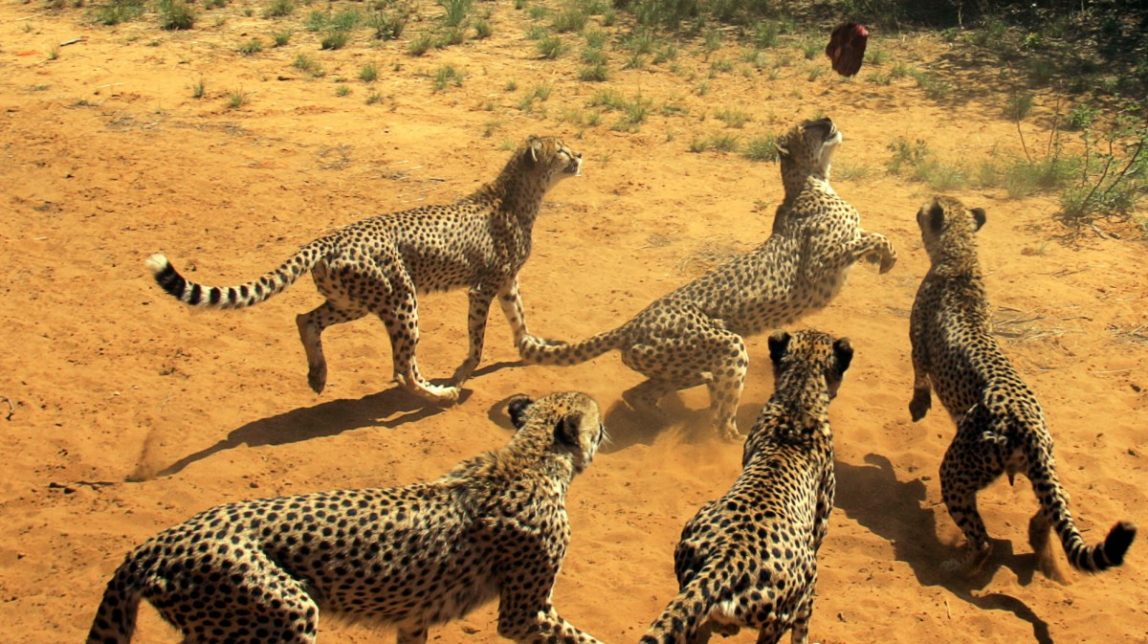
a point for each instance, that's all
(535, 145)
(517, 409)
(936, 216)
(843, 351)
(778, 343)
(979, 216)
(566, 429)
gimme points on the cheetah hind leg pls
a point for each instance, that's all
(311, 326)
(1038, 537)
(412, 635)
(402, 321)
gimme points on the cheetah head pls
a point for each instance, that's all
(945, 223)
(548, 157)
(807, 150)
(810, 351)
(569, 422)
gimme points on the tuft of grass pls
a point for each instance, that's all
(118, 11)
(369, 73)
(305, 63)
(765, 34)
(281, 38)
(594, 73)
(935, 88)
(446, 76)
(570, 18)
(279, 9)
(316, 21)
(342, 90)
(761, 148)
(456, 12)
(420, 45)
(251, 47)
(346, 20)
(550, 47)
(482, 29)
(334, 40)
(175, 15)
(723, 143)
(595, 39)
(374, 97)
(388, 26)
(237, 98)
(733, 118)
(199, 89)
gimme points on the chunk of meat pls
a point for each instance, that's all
(846, 48)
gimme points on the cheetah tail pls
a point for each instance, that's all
(1055, 515)
(115, 619)
(243, 295)
(535, 350)
(685, 615)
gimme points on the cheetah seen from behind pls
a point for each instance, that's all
(379, 265)
(750, 558)
(695, 335)
(1000, 425)
(413, 557)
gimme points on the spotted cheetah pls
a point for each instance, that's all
(750, 558)
(694, 335)
(1000, 425)
(378, 265)
(493, 527)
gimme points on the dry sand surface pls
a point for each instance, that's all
(122, 413)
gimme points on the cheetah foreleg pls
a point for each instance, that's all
(873, 247)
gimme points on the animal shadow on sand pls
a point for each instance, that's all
(390, 409)
(628, 426)
(894, 510)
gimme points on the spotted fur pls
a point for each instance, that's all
(749, 559)
(412, 557)
(1000, 425)
(694, 335)
(378, 265)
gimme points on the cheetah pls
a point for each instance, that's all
(694, 335)
(1000, 425)
(493, 527)
(750, 558)
(378, 265)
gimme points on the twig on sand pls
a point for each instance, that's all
(71, 42)
(948, 612)
(11, 407)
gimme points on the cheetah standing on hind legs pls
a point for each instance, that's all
(694, 335)
(378, 265)
(413, 557)
(1000, 425)
(750, 558)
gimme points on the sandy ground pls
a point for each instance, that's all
(108, 158)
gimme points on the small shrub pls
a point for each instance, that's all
(342, 90)
(279, 9)
(456, 12)
(175, 15)
(374, 97)
(733, 118)
(761, 148)
(550, 47)
(236, 99)
(570, 18)
(117, 11)
(251, 47)
(724, 143)
(765, 34)
(595, 39)
(699, 144)
(1018, 107)
(199, 89)
(1081, 117)
(387, 26)
(445, 77)
(346, 20)
(594, 73)
(482, 29)
(369, 73)
(305, 63)
(281, 38)
(334, 40)
(810, 49)
(316, 21)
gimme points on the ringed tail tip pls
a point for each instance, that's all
(157, 263)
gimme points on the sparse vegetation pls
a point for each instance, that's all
(369, 73)
(279, 9)
(175, 14)
(761, 148)
(251, 47)
(447, 76)
(237, 99)
(281, 38)
(550, 47)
